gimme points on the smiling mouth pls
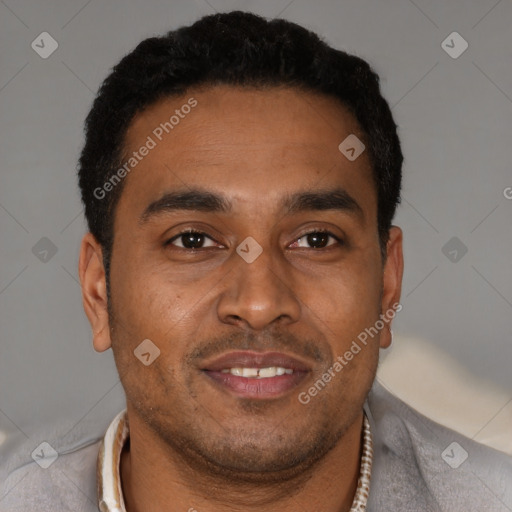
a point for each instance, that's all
(256, 375)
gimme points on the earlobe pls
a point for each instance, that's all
(94, 291)
(391, 283)
(386, 338)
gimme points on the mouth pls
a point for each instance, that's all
(256, 375)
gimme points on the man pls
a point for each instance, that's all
(240, 178)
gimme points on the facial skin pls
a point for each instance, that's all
(193, 442)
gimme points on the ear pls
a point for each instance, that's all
(391, 282)
(94, 291)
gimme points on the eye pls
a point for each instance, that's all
(191, 240)
(317, 240)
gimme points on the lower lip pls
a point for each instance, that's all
(270, 387)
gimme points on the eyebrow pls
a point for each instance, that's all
(209, 202)
(332, 199)
(195, 200)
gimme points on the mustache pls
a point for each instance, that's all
(315, 349)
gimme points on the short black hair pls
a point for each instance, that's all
(243, 50)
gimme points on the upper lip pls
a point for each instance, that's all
(247, 359)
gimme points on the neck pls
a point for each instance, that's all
(153, 475)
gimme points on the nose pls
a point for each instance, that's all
(258, 294)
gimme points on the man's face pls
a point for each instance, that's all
(317, 284)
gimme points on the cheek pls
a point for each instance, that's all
(345, 301)
(145, 296)
(151, 303)
(148, 319)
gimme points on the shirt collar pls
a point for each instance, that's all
(110, 492)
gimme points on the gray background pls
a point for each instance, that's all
(455, 119)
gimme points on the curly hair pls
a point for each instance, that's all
(243, 50)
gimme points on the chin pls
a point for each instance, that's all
(279, 453)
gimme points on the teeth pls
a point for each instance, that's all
(258, 373)
(249, 372)
(268, 372)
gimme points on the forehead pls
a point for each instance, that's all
(254, 145)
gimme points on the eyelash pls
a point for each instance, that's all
(196, 232)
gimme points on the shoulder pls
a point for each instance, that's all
(422, 464)
(67, 483)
